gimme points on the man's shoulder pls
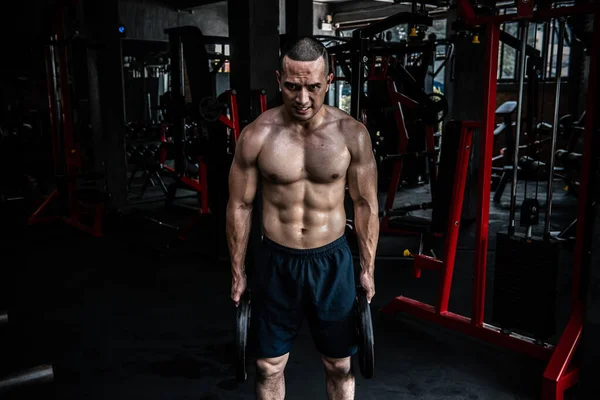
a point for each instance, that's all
(262, 126)
(348, 126)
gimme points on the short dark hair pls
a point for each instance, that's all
(306, 48)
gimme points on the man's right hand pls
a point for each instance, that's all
(238, 287)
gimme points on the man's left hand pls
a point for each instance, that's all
(367, 281)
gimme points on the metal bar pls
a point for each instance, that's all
(510, 40)
(464, 325)
(4, 318)
(561, 357)
(586, 183)
(492, 41)
(513, 196)
(35, 217)
(71, 154)
(545, 49)
(395, 20)
(458, 193)
(234, 115)
(357, 74)
(41, 374)
(550, 187)
(543, 14)
(52, 103)
(551, 33)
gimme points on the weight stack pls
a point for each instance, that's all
(525, 285)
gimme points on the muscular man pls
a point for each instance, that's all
(303, 154)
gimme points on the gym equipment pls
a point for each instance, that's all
(146, 159)
(197, 160)
(73, 199)
(37, 375)
(445, 221)
(398, 73)
(446, 203)
(562, 370)
(366, 337)
(241, 336)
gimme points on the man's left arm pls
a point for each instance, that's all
(362, 186)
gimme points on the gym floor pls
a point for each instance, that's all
(119, 318)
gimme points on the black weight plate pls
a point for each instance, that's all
(241, 336)
(366, 345)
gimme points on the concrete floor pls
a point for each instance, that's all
(120, 318)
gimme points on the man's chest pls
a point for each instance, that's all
(319, 159)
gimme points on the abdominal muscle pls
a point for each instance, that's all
(303, 215)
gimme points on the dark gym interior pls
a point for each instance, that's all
(118, 124)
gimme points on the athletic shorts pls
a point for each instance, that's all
(289, 285)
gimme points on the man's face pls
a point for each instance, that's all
(304, 85)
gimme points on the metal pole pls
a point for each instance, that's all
(357, 81)
(522, 62)
(41, 374)
(559, 55)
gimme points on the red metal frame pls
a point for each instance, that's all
(446, 264)
(560, 373)
(232, 122)
(64, 128)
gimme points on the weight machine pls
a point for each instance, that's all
(201, 159)
(74, 201)
(395, 88)
(561, 371)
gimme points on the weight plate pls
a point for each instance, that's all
(243, 322)
(366, 344)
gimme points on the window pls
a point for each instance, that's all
(538, 34)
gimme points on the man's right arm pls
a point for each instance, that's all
(243, 181)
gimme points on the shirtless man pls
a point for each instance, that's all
(303, 154)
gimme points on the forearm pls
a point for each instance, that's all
(238, 223)
(366, 225)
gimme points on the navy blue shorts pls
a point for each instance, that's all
(289, 285)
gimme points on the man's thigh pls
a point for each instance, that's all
(331, 313)
(276, 306)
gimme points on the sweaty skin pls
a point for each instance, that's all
(303, 154)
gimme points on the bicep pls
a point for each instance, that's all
(242, 182)
(362, 172)
(243, 175)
